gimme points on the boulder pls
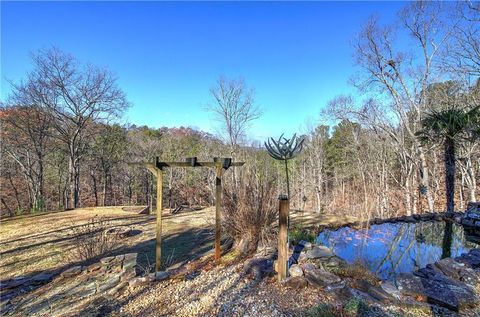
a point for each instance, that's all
(331, 263)
(457, 271)
(307, 245)
(437, 289)
(472, 215)
(160, 275)
(320, 278)
(295, 282)
(341, 291)
(308, 267)
(137, 281)
(390, 289)
(319, 252)
(259, 267)
(380, 294)
(74, 270)
(470, 259)
(302, 257)
(295, 270)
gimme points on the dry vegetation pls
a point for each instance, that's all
(42, 242)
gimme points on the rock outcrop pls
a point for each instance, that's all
(74, 291)
(450, 283)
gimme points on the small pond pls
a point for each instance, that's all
(392, 248)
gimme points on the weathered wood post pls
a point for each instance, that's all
(284, 209)
(158, 243)
(218, 205)
(220, 165)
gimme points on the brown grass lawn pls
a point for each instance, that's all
(309, 219)
(43, 242)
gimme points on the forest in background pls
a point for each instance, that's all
(62, 149)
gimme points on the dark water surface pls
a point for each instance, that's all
(392, 248)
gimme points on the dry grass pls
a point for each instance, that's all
(42, 242)
(309, 219)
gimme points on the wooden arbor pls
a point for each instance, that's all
(220, 165)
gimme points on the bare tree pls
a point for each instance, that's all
(234, 107)
(402, 78)
(463, 55)
(26, 137)
(75, 95)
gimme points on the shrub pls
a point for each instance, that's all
(321, 310)
(249, 213)
(93, 239)
(355, 307)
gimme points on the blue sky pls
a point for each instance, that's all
(167, 55)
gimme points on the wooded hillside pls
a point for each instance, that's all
(62, 145)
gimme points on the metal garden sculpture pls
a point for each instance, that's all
(285, 149)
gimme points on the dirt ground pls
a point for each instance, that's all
(43, 242)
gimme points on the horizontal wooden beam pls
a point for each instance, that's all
(161, 165)
(197, 164)
(150, 166)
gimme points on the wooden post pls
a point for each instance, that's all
(158, 245)
(220, 165)
(218, 207)
(284, 209)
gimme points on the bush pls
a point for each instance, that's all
(321, 310)
(355, 307)
(93, 239)
(250, 213)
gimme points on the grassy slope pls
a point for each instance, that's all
(30, 244)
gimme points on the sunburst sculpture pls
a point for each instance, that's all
(285, 149)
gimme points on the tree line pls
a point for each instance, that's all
(62, 145)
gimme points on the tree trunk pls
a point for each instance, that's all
(94, 184)
(15, 190)
(424, 179)
(472, 184)
(71, 184)
(76, 196)
(450, 174)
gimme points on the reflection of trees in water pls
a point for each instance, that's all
(403, 246)
(447, 240)
(393, 247)
(419, 243)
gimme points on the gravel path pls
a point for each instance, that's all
(219, 291)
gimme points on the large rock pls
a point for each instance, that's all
(295, 270)
(341, 291)
(331, 263)
(319, 252)
(320, 278)
(259, 267)
(437, 289)
(295, 282)
(161, 275)
(391, 289)
(308, 267)
(307, 245)
(470, 259)
(69, 293)
(472, 215)
(457, 271)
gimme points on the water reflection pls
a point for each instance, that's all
(392, 248)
